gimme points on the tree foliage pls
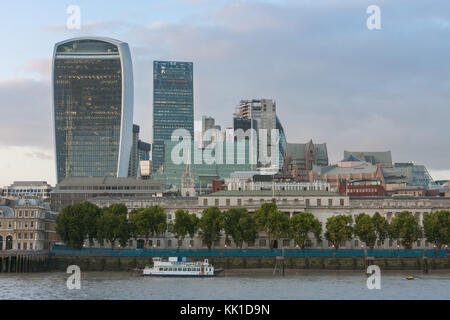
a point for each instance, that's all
(149, 222)
(76, 223)
(274, 222)
(338, 229)
(365, 230)
(436, 227)
(185, 224)
(211, 225)
(301, 225)
(405, 228)
(381, 227)
(112, 225)
(240, 225)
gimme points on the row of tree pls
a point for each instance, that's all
(85, 221)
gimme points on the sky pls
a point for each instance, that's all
(333, 79)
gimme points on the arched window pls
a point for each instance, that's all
(9, 243)
(1, 243)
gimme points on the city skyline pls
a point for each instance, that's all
(328, 91)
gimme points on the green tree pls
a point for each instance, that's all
(381, 227)
(240, 225)
(112, 226)
(118, 208)
(149, 222)
(77, 222)
(405, 228)
(185, 224)
(301, 225)
(211, 224)
(436, 227)
(269, 219)
(248, 228)
(338, 229)
(365, 229)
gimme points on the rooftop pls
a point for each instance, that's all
(105, 181)
(270, 193)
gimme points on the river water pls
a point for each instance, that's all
(255, 284)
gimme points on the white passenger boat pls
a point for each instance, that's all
(179, 267)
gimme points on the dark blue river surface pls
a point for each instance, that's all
(254, 284)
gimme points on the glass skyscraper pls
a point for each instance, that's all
(173, 104)
(93, 107)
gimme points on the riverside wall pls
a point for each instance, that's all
(90, 263)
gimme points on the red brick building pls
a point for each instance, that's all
(362, 188)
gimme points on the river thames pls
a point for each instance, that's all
(235, 285)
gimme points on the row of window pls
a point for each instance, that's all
(181, 269)
(26, 225)
(307, 202)
(25, 236)
(25, 246)
(151, 187)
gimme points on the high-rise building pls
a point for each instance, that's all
(139, 151)
(93, 107)
(133, 166)
(260, 114)
(173, 104)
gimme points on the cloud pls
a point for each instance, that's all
(40, 155)
(26, 110)
(42, 67)
(334, 80)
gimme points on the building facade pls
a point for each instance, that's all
(173, 104)
(27, 225)
(409, 174)
(28, 189)
(382, 158)
(322, 204)
(261, 114)
(92, 107)
(74, 189)
(299, 158)
(202, 171)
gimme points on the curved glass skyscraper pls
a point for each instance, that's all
(93, 107)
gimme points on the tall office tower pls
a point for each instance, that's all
(93, 107)
(173, 104)
(260, 114)
(133, 166)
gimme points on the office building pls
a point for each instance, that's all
(93, 107)
(173, 104)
